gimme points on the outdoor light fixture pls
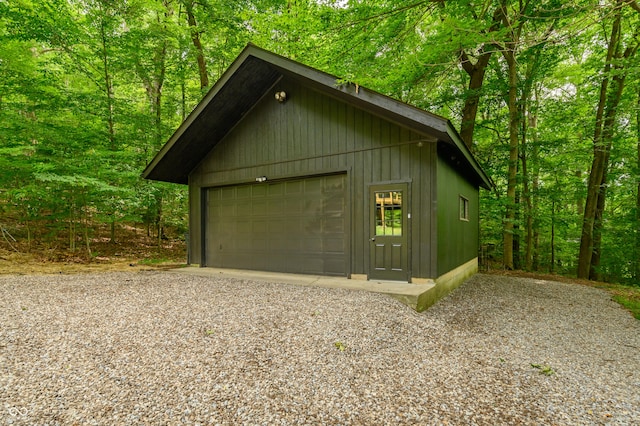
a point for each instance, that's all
(261, 179)
(281, 96)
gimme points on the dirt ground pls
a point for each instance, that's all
(133, 250)
(29, 264)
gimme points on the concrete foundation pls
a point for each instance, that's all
(419, 295)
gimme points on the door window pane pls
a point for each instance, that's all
(388, 213)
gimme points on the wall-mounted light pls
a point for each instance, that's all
(261, 179)
(281, 96)
(420, 144)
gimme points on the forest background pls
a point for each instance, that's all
(545, 93)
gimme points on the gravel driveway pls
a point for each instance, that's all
(166, 348)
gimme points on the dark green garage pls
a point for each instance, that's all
(290, 171)
(296, 225)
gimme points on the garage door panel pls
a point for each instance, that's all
(312, 186)
(275, 208)
(312, 245)
(258, 191)
(259, 245)
(294, 187)
(291, 226)
(228, 193)
(243, 208)
(258, 207)
(330, 225)
(293, 205)
(333, 245)
(260, 227)
(335, 263)
(244, 192)
(275, 189)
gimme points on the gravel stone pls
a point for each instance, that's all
(166, 348)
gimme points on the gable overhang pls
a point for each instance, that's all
(246, 81)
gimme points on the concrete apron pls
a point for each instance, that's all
(419, 295)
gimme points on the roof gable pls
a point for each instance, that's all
(253, 73)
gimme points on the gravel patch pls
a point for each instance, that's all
(166, 348)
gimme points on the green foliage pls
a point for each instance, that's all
(632, 305)
(90, 90)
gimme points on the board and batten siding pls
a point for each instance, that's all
(313, 134)
(457, 239)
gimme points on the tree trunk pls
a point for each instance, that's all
(195, 38)
(526, 189)
(597, 164)
(514, 120)
(476, 74)
(603, 138)
(517, 232)
(552, 262)
(535, 187)
(108, 85)
(112, 232)
(607, 138)
(637, 269)
(158, 82)
(183, 100)
(72, 229)
(87, 241)
(528, 203)
(29, 227)
(594, 269)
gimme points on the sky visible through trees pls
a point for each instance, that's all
(545, 93)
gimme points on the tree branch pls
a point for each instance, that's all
(634, 5)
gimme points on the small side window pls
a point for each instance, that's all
(464, 208)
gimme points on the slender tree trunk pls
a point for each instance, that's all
(528, 203)
(597, 165)
(526, 190)
(159, 199)
(579, 197)
(514, 120)
(527, 181)
(27, 222)
(607, 137)
(72, 227)
(195, 38)
(590, 241)
(112, 232)
(517, 232)
(153, 79)
(108, 86)
(535, 187)
(157, 102)
(553, 237)
(637, 269)
(476, 74)
(87, 241)
(183, 100)
(594, 269)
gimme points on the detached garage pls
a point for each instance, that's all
(290, 171)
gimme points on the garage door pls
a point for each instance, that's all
(296, 226)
